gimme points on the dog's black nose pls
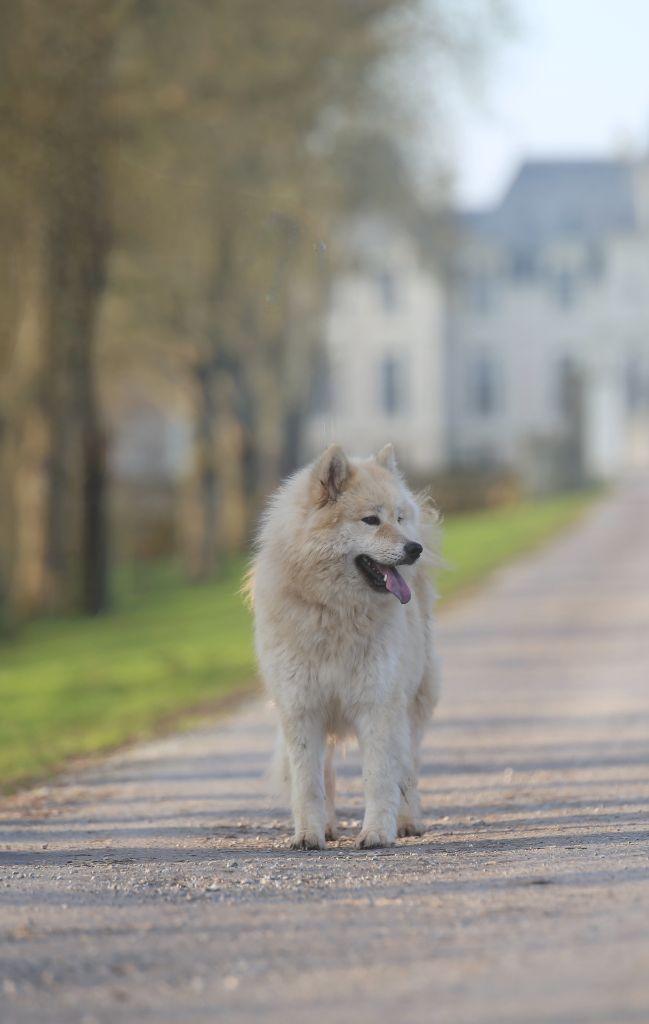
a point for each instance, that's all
(412, 550)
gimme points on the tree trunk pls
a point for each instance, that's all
(207, 472)
(77, 245)
(96, 596)
(76, 526)
(7, 523)
(22, 428)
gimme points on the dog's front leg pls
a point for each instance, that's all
(305, 740)
(382, 733)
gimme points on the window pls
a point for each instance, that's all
(480, 291)
(393, 386)
(388, 289)
(595, 261)
(566, 386)
(321, 399)
(483, 385)
(523, 264)
(565, 289)
(635, 381)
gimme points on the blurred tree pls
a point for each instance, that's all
(21, 429)
(55, 137)
(72, 72)
(173, 176)
(245, 104)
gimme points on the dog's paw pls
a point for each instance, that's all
(409, 828)
(371, 838)
(331, 833)
(307, 841)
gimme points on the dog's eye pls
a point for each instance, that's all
(372, 520)
(399, 519)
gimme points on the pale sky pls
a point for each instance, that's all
(574, 82)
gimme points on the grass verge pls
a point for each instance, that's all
(70, 687)
(476, 543)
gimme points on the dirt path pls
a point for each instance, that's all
(156, 886)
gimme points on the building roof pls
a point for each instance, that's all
(551, 200)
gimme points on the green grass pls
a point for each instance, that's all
(70, 687)
(476, 543)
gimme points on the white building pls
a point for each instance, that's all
(383, 372)
(548, 326)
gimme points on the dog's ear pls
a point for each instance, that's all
(331, 474)
(387, 458)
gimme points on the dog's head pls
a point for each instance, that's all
(367, 519)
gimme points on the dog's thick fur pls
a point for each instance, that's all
(338, 654)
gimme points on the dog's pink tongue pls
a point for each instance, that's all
(396, 584)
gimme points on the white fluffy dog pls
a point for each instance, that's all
(343, 608)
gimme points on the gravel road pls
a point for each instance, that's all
(156, 884)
